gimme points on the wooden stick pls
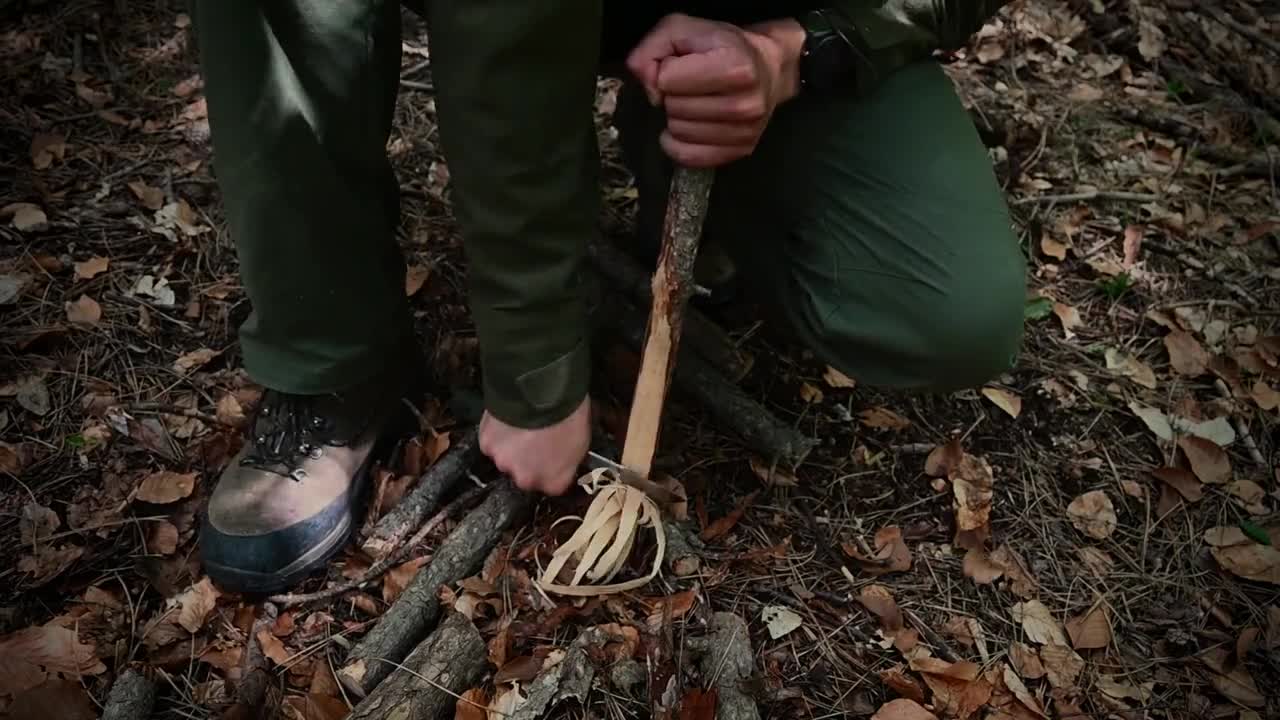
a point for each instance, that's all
(672, 287)
(133, 696)
(254, 695)
(727, 663)
(416, 611)
(429, 681)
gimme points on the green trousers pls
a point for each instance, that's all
(874, 227)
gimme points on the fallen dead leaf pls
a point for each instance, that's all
(772, 476)
(836, 379)
(959, 690)
(1250, 494)
(971, 483)
(273, 647)
(1052, 248)
(1186, 355)
(903, 709)
(1069, 317)
(399, 577)
(91, 268)
(960, 629)
(1038, 623)
(47, 562)
(979, 567)
(314, 707)
(1181, 480)
(943, 459)
(36, 523)
(229, 411)
(26, 217)
(1128, 366)
(1026, 661)
(891, 553)
(900, 682)
(84, 311)
(780, 620)
(1208, 460)
(195, 604)
(164, 487)
(472, 705)
(1242, 557)
(1062, 665)
(1090, 631)
(1097, 561)
(1015, 685)
(723, 525)
(1085, 92)
(879, 601)
(883, 419)
(162, 538)
(414, 278)
(194, 360)
(1133, 489)
(151, 198)
(1132, 244)
(28, 656)
(1093, 514)
(1003, 399)
(1119, 690)
(1234, 682)
(810, 393)
(1267, 397)
(47, 147)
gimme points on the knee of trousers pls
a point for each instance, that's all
(966, 333)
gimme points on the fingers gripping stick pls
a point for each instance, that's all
(609, 528)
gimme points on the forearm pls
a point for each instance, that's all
(516, 84)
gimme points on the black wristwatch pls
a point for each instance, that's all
(828, 58)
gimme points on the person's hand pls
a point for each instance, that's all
(719, 83)
(544, 460)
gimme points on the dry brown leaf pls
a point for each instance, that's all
(1038, 623)
(164, 487)
(36, 523)
(1090, 631)
(1208, 460)
(47, 147)
(91, 268)
(47, 562)
(399, 577)
(891, 554)
(772, 476)
(151, 198)
(472, 705)
(1235, 683)
(1267, 397)
(1093, 514)
(273, 647)
(225, 659)
(415, 276)
(971, 483)
(314, 707)
(1186, 355)
(1242, 557)
(1181, 480)
(903, 709)
(883, 419)
(1005, 400)
(943, 459)
(879, 601)
(1019, 690)
(229, 411)
(1016, 571)
(960, 629)
(1085, 92)
(196, 603)
(1131, 367)
(981, 568)
(1061, 665)
(163, 538)
(194, 360)
(1132, 244)
(1250, 494)
(84, 311)
(900, 682)
(836, 379)
(721, 526)
(1053, 248)
(1026, 661)
(959, 690)
(1097, 561)
(1133, 489)
(27, 217)
(1069, 317)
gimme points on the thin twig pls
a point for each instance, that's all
(392, 559)
(1250, 32)
(1241, 429)
(1118, 195)
(165, 409)
(416, 85)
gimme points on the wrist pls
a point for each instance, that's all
(781, 42)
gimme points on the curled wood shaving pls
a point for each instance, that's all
(604, 538)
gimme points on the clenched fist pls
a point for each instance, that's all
(543, 460)
(719, 83)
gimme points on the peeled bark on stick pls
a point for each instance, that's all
(133, 696)
(728, 405)
(255, 697)
(701, 334)
(417, 609)
(672, 287)
(409, 514)
(450, 661)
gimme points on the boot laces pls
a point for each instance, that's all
(287, 429)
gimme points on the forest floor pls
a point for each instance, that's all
(1094, 534)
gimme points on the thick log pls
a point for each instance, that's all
(727, 404)
(672, 288)
(408, 515)
(705, 337)
(417, 609)
(133, 697)
(726, 656)
(446, 664)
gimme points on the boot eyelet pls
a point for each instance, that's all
(262, 439)
(266, 411)
(298, 474)
(317, 422)
(315, 453)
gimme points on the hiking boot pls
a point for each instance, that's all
(290, 500)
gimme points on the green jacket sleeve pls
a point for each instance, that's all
(515, 84)
(891, 33)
